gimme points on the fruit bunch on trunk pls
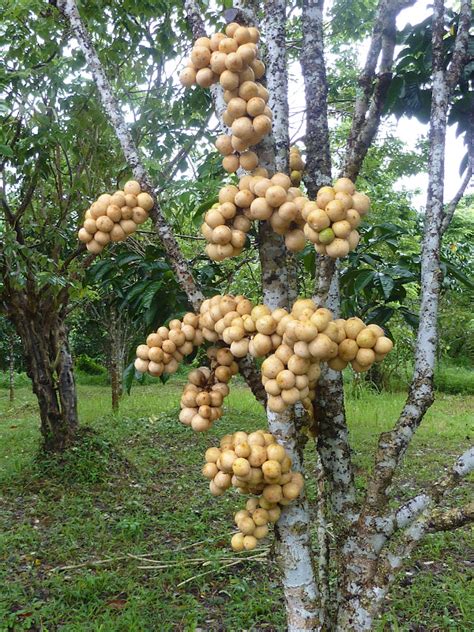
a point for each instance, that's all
(293, 345)
(253, 464)
(231, 58)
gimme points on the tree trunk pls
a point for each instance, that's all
(293, 540)
(116, 358)
(11, 368)
(39, 322)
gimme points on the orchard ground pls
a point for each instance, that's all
(132, 487)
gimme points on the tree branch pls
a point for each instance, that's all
(277, 79)
(184, 275)
(451, 207)
(450, 519)
(318, 159)
(373, 86)
(422, 515)
(460, 53)
(405, 515)
(365, 583)
(393, 444)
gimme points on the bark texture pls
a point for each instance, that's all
(11, 368)
(318, 159)
(293, 547)
(392, 445)
(335, 476)
(370, 566)
(116, 358)
(373, 84)
(39, 320)
(293, 543)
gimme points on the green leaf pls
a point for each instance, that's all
(363, 279)
(128, 376)
(5, 150)
(387, 284)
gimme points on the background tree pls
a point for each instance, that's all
(46, 164)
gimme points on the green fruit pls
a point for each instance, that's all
(296, 177)
(326, 236)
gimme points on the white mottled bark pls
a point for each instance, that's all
(111, 106)
(332, 441)
(293, 547)
(418, 517)
(392, 445)
(293, 542)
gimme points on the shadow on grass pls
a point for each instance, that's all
(92, 459)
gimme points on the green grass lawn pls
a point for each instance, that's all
(133, 487)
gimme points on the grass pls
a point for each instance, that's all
(132, 485)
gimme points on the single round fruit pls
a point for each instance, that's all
(187, 77)
(231, 163)
(205, 77)
(326, 236)
(337, 248)
(237, 542)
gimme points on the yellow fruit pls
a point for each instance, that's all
(248, 160)
(295, 240)
(250, 542)
(187, 77)
(366, 338)
(262, 125)
(234, 62)
(337, 248)
(335, 210)
(383, 345)
(237, 542)
(228, 45)
(84, 236)
(258, 67)
(361, 203)
(348, 349)
(231, 163)
(205, 77)
(145, 201)
(241, 467)
(139, 215)
(200, 56)
(103, 238)
(229, 80)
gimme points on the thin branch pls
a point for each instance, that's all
(277, 79)
(405, 515)
(393, 444)
(460, 54)
(451, 207)
(373, 85)
(28, 196)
